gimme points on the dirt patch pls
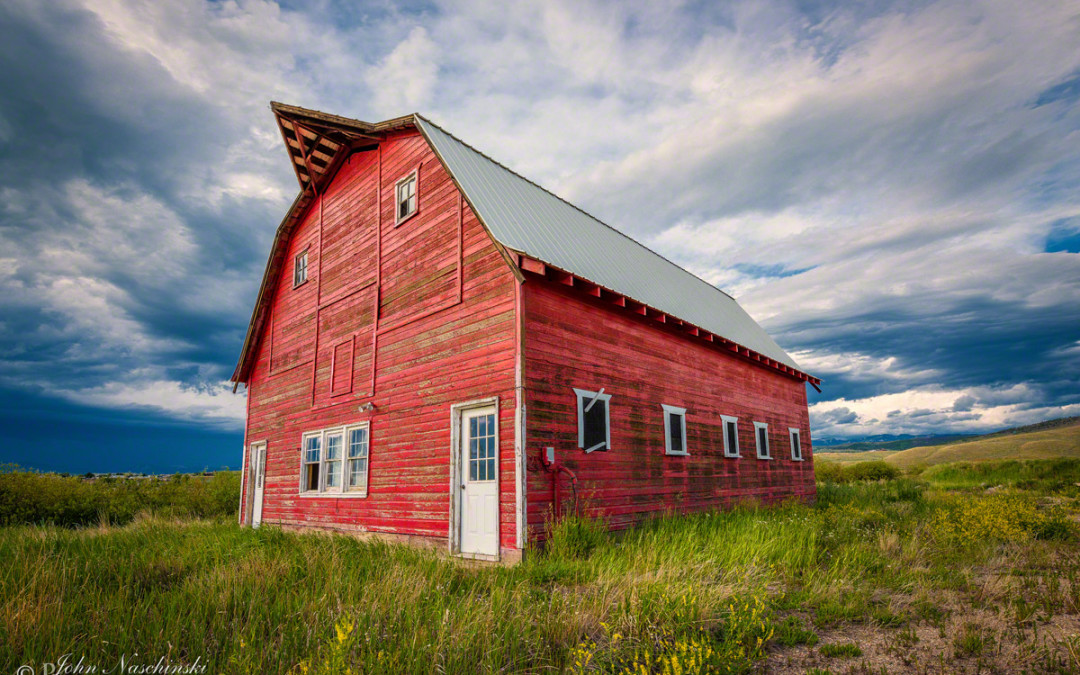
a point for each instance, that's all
(970, 641)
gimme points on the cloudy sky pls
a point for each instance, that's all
(892, 189)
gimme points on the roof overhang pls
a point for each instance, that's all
(554, 274)
(317, 141)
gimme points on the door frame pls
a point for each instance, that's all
(253, 467)
(456, 411)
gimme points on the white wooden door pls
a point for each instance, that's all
(258, 473)
(479, 482)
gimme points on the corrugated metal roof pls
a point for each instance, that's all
(526, 218)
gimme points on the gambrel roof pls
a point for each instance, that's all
(523, 218)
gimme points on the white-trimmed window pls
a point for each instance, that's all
(299, 272)
(334, 461)
(356, 466)
(761, 435)
(674, 430)
(594, 420)
(312, 460)
(796, 444)
(405, 197)
(731, 435)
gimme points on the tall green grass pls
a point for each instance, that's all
(715, 589)
(1058, 475)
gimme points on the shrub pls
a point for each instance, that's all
(875, 470)
(34, 498)
(999, 517)
(830, 472)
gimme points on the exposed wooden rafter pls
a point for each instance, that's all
(318, 144)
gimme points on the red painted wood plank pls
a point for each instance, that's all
(446, 298)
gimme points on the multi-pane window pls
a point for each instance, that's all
(358, 459)
(796, 444)
(335, 461)
(299, 274)
(594, 420)
(312, 459)
(332, 463)
(674, 430)
(731, 436)
(406, 197)
(482, 448)
(761, 433)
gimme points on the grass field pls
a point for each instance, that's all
(963, 569)
(1046, 444)
(854, 457)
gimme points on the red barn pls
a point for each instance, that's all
(443, 352)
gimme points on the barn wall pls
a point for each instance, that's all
(573, 341)
(430, 345)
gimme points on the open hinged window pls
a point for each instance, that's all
(334, 461)
(406, 198)
(731, 435)
(312, 458)
(761, 434)
(796, 444)
(674, 430)
(299, 275)
(594, 420)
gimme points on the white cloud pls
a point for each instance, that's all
(94, 256)
(929, 411)
(403, 81)
(859, 367)
(119, 230)
(95, 322)
(213, 404)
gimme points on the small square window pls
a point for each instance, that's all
(761, 434)
(731, 436)
(299, 274)
(796, 445)
(406, 201)
(594, 420)
(674, 430)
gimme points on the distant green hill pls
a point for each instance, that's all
(1046, 440)
(899, 444)
(944, 439)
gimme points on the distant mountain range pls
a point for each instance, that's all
(904, 442)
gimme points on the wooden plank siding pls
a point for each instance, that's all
(574, 340)
(414, 317)
(411, 318)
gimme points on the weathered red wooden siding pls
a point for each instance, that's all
(573, 341)
(434, 348)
